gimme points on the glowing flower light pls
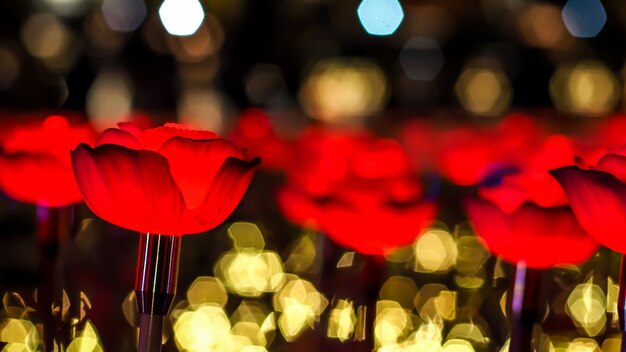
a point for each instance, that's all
(31, 152)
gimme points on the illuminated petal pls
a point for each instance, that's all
(531, 234)
(195, 164)
(118, 137)
(129, 188)
(38, 179)
(153, 138)
(599, 202)
(228, 187)
(375, 230)
(613, 164)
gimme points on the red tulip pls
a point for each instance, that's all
(165, 180)
(35, 162)
(526, 216)
(598, 197)
(358, 189)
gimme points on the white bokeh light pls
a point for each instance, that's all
(181, 17)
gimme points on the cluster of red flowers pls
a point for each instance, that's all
(365, 192)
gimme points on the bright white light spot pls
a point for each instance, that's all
(124, 15)
(584, 18)
(181, 17)
(380, 17)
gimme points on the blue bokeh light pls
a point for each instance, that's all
(380, 17)
(584, 18)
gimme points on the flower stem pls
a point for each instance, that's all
(54, 227)
(155, 285)
(524, 306)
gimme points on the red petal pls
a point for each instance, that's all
(38, 179)
(129, 188)
(613, 164)
(153, 138)
(531, 234)
(375, 231)
(194, 164)
(226, 190)
(118, 137)
(299, 208)
(598, 200)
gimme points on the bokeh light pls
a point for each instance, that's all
(301, 305)
(587, 87)
(124, 15)
(380, 17)
(541, 25)
(109, 99)
(344, 90)
(584, 18)
(49, 39)
(181, 17)
(342, 320)
(206, 290)
(435, 251)
(483, 88)
(586, 306)
(421, 58)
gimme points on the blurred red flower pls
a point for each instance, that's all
(35, 162)
(164, 180)
(255, 133)
(358, 189)
(468, 154)
(526, 215)
(598, 197)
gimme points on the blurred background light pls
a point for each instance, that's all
(10, 67)
(47, 38)
(541, 25)
(587, 87)
(206, 290)
(586, 306)
(301, 305)
(201, 108)
(341, 321)
(66, 8)
(196, 47)
(435, 251)
(109, 99)
(483, 88)
(584, 18)
(344, 90)
(124, 15)
(181, 17)
(421, 58)
(380, 17)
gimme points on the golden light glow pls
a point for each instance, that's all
(252, 321)
(250, 273)
(468, 331)
(342, 321)
(435, 251)
(483, 88)
(206, 41)
(302, 255)
(86, 341)
(585, 88)
(583, 345)
(470, 261)
(586, 305)
(246, 235)
(392, 323)
(400, 289)
(457, 345)
(19, 331)
(436, 303)
(206, 290)
(611, 344)
(206, 329)
(301, 305)
(343, 90)
(427, 338)
(346, 260)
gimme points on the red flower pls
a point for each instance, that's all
(526, 216)
(468, 154)
(35, 162)
(598, 197)
(165, 180)
(358, 189)
(255, 133)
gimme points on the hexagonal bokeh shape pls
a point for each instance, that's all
(181, 17)
(421, 58)
(400, 289)
(207, 290)
(380, 17)
(584, 18)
